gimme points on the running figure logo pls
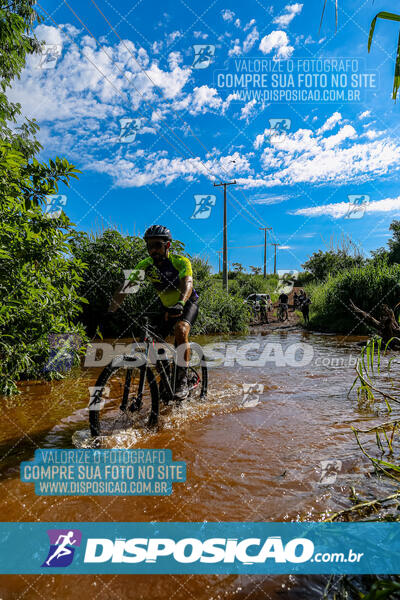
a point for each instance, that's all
(286, 281)
(202, 210)
(129, 129)
(50, 53)
(54, 205)
(203, 53)
(62, 547)
(357, 206)
(278, 130)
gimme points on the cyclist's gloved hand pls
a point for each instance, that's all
(176, 309)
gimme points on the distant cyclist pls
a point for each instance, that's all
(171, 275)
(305, 309)
(265, 301)
(283, 305)
(295, 301)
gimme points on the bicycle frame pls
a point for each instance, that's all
(139, 360)
(150, 338)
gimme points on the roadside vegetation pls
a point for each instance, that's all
(38, 280)
(341, 275)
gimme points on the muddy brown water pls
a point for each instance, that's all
(253, 460)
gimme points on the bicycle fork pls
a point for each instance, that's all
(166, 386)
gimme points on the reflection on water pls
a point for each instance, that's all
(284, 454)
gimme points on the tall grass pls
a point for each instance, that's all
(369, 287)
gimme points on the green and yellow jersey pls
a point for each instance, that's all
(165, 277)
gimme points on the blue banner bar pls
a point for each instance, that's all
(200, 548)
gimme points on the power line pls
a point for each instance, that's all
(122, 94)
(129, 80)
(256, 218)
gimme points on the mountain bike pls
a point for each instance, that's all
(282, 312)
(140, 381)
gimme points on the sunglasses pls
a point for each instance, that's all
(155, 245)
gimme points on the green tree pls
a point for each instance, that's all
(256, 270)
(322, 264)
(107, 256)
(38, 280)
(237, 267)
(394, 243)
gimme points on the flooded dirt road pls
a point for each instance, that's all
(264, 457)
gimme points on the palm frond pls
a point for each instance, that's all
(390, 17)
(323, 12)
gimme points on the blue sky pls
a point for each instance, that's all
(193, 128)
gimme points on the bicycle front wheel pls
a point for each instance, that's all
(197, 373)
(120, 392)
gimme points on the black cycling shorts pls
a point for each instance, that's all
(189, 314)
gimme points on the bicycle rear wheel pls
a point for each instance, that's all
(120, 391)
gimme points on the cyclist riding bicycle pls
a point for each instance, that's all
(171, 275)
(265, 302)
(283, 304)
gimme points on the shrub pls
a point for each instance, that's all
(39, 283)
(221, 312)
(368, 287)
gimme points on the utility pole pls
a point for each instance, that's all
(219, 260)
(274, 257)
(225, 244)
(265, 229)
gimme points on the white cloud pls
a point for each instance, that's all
(340, 209)
(248, 110)
(200, 35)
(270, 199)
(249, 24)
(49, 34)
(260, 139)
(365, 114)
(285, 247)
(236, 49)
(174, 35)
(201, 100)
(229, 99)
(343, 134)
(279, 41)
(330, 123)
(82, 83)
(237, 23)
(248, 43)
(254, 183)
(204, 98)
(304, 156)
(79, 113)
(156, 47)
(227, 14)
(139, 170)
(372, 134)
(286, 18)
